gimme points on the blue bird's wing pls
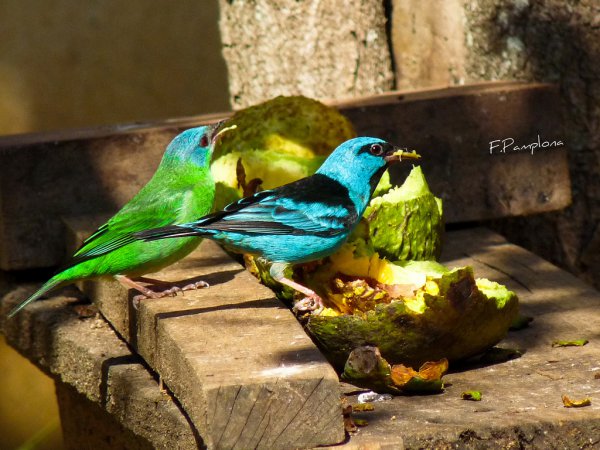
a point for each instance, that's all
(317, 205)
(299, 209)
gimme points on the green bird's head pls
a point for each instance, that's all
(193, 146)
(186, 161)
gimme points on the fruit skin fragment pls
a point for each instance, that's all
(428, 379)
(471, 395)
(574, 343)
(362, 407)
(367, 368)
(568, 403)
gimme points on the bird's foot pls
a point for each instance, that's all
(138, 298)
(197, 285)
(171, 292)
(311, 303)
(161, 386)
(149, 293)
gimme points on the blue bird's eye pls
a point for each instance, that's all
(376, 149)
(204, 141)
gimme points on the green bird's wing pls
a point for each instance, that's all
(161, 209)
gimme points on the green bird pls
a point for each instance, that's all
(181, 190)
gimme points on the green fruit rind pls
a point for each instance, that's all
(418, 385)
(429, 268)
(366, 367)
(406, 223)
(288, 123)
(279, 141)
(273, 167)
(461, 321)
(384, 185)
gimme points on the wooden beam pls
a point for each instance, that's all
(44, 177)
(89, 362)
(237, 360)
(521, 397)
(453, 129)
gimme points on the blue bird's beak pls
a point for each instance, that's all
(399, 154)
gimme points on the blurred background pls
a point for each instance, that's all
(66, 64)
(70, 64)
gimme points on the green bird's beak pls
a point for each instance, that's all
(399, 154)
(218, 126)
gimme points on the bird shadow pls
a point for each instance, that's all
(213, 279)
(250, 304)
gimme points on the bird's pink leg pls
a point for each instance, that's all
(129, 283)
(145, 292)
(173, 290)
(312, 302)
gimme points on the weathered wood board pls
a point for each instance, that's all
(45, 177)
(88, 360)
(454, 129)
(233, 355)
(521, 406)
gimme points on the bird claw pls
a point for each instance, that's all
(171, 292)
(310, 303)
(197, 285)
(137, 299)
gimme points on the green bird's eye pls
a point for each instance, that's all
(204, 141)
(376, 149)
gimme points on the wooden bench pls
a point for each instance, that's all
(238, 368)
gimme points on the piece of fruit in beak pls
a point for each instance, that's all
(221, 131)
(401, 154)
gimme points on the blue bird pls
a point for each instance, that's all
(301, 221)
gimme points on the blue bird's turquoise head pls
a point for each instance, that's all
(359, 163)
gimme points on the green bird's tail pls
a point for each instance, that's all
(53, 282)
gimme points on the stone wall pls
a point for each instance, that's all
(322, 49)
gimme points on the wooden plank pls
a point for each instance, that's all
(236, 359)
(521, 404)
(453, 128)
(101, 373)
(91, 171)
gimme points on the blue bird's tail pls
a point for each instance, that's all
(50, 284)
(169, 232)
